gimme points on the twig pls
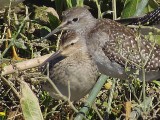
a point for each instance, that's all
(114, 9)
(25, 64)
(96, 110)
(99, 8)
(111, 96)
(10, 84)
(61, 95)
(145, 27)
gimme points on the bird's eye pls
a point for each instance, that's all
(72, 43)
(75, 19)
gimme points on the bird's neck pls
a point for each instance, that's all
(85, 28)
(81, 55)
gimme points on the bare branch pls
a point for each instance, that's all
(25, 64)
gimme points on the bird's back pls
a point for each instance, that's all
(122, 50)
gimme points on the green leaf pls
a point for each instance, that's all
(29, 103)
(20, 44)
(69, 3)
(152, 5)
(59, 6)
(138, 7)
(46, 28)
(156, 82)
(54, 21)
(80, 3)
(129, 8)
(141, 7)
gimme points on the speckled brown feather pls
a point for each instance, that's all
(125, 47)
(112, 46)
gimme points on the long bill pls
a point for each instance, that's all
(59, 28)
(52, 57)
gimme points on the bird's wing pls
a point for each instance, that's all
(126, 47)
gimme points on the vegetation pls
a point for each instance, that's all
(21, 30)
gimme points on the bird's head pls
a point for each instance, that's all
(71, 43)
(78, 19)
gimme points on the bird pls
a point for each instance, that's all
(71, 69)
(118, 51)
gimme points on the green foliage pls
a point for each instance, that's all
(138, 7)
(157, 82)
(130, 7)
(24, 38)
(29, 104)
(20, 44)
(68, 4)
(53, 20)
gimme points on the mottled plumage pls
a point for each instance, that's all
(117, 50)
(73, 64)
(122, 48)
